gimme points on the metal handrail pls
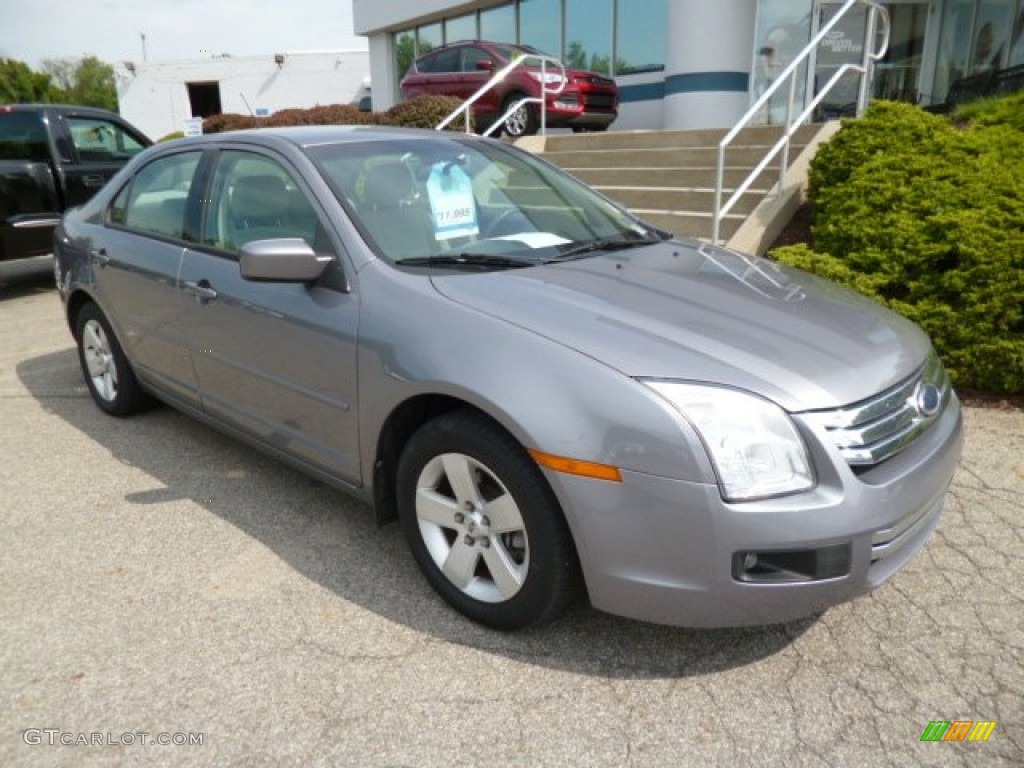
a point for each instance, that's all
(866, 70)
(498, 77)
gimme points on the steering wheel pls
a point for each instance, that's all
(491, 230)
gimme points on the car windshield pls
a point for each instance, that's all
(471, 203)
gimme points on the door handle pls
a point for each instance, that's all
(92, 180)
(100, 256)
(202, 290)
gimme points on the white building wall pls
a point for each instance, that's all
(155, 96)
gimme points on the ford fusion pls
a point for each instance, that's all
(551, 396)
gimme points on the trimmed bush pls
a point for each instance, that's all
(426, 112)
(230, 122)
(929, 219)
(421, 112)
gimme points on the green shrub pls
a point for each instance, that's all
(929, 219)
(171, 137)
(426, 112)
(1005, 110)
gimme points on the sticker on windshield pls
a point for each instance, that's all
(451, 202)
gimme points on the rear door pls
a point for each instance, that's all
(136, 259)
(99, 147)
(276, 361)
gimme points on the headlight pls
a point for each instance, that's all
(754, 446)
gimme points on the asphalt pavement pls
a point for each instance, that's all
(161, 582)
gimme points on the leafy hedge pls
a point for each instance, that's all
(928, 218)
(421, 112)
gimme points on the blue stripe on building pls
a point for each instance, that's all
(703, 82)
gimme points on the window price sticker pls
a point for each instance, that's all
(451, 202)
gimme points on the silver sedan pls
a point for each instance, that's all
(549, 394)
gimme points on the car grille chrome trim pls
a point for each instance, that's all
(873, 430)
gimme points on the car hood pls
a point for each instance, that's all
(699, 313)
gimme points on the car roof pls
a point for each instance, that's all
(57, 108)
(316, 135)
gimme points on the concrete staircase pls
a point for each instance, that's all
(668, 177)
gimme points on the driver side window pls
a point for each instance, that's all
(253, 197)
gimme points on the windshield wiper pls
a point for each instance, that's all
(604, 244)
(464, 260)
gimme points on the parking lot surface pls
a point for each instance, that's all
(159, 581)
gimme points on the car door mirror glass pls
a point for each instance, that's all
(284, 260)
(485, 65)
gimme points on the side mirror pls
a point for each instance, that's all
(285, 260)
(485, 65)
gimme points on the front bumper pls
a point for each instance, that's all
(666, 551)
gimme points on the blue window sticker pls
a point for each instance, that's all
(451, 202)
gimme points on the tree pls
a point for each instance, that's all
(19, 84)
(86, 81)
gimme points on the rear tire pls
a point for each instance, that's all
(107, 373)
(483, 524)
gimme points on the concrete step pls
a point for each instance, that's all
(671, 176)
(690, 223)
(678, 199)
(756, 135)
(747, 156)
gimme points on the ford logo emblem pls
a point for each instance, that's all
(927, 399)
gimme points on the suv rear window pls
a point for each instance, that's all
(22, 137)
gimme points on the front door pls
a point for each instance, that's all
(274, 360)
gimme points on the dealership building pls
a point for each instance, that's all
(701, 63)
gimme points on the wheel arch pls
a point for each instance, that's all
(404, 419)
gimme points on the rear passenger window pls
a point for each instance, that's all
(154, 201)
(22, 137)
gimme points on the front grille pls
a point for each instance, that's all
(599, 100)
(873, 430)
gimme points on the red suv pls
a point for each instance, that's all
(588, 101)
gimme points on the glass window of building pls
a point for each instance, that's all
(540, 25)
(588, 35)
(498, 24)
(640, 36)
(405, 52)
(954, 46)
(460, 28)
(992, 28)
(428, 37)
(1016, 57)
(783, 30)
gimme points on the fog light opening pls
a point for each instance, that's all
(798, 565)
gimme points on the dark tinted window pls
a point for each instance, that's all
(22, 137)
(470, 57)
(154, 201)
(441, 61)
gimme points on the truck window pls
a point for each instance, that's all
(22, 137)
(101, 141)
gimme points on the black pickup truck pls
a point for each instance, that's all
(54, 157)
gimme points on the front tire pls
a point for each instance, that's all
(483, 524)
(522, 122)
(108, 374)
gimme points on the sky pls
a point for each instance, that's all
(33, 30)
